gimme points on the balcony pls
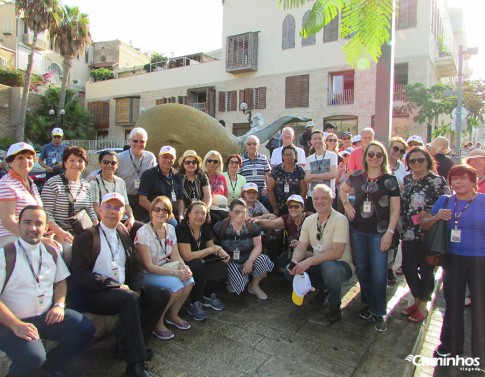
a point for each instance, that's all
(40, 45)
(399, 92)
(346, 97)
(201, 106)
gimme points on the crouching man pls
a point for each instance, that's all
(327, 231)
(107, 279)
(33, 292)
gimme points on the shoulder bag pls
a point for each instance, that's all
(81, 220)
(437, 240)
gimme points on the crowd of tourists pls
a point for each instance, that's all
(141, 239)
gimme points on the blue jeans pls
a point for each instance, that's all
(328, 275)
(371, 269)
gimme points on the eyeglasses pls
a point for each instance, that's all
(251, 143)
(332, 140)
(212, 161)
(236, 162)
(158, 209)
(396, 149)
(376, 154)
(294, 206)
(138, 141)
(109, 207)
(190, 162)
(109, 162)
(238, 211)
(419, 160)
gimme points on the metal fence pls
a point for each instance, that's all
(95, 145)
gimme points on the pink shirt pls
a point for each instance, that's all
(355, 160)
(218, 185)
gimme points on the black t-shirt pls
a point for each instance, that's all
(153, 183)
(379, 193)
(444, 164)
(184, 235)
(193, 190)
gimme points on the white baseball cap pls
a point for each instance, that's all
(19, 147)
(57, 132)
(219, 203)
(301, 286)
(309, 124)
(113, 196)
(346, 151)
(356, 138)
(167, 149)
(295, 198)
(250, 186)
(415, 138)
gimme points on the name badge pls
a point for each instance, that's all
(174, 198)
(194, 199)
(115, 272)
(255, 171)
(286, 188)
(320, 247)
(236, 255)
(455, 235)
(137, 183)
(41, 303)
(367, 207)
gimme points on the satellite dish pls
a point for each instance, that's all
(258, 120)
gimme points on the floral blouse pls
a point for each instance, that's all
(282, 178)
(419, 195)
(218, 185)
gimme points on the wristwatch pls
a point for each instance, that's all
(60, 305)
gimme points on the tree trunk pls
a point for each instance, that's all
(66, 69)
(19, 134)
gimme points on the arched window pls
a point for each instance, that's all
(311, 39)
(288, 33)
(57, 73)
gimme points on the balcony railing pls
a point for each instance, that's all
(399, 90)
(344, 98)
(199, 106)
(96, 145)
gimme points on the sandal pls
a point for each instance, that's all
(163, 334)
(184, 325)
(417, 316)
(410, 309)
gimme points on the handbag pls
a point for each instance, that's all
(436, 238)
(81, 220)
(175, 265)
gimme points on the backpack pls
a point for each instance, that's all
(11, 258)
(224, 225)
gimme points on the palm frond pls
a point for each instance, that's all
(321, 14)
(290, 4)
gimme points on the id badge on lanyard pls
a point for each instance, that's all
(115, 271)
(174, 197)
(236, 254)
(137, 182)
(367, 207)
(286, 188)
(455, 235)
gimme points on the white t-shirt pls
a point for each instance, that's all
(319, 164)
(21, 292)
(159, 249)
(277, 158)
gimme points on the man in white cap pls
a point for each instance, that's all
(356, 141)
(108, 279)
(327, 232)
(163, 179)
(131, 165)
(355, 160)
(414, 141)
(439, 149)
(51, 154)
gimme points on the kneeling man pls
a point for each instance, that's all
(107, 279)
(327, 231)
(33, 292)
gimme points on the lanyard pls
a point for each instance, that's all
(235, 184)
(193, 236)
(319, 166)
(104, 186)
(458, 215)
(370, 190)
(321, 227)
(74, 198)
(138, 170)
(36, 276)
(113, 254)
(162, 247)
(167, 178)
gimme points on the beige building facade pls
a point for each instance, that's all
(266, 64)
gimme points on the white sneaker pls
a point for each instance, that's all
(258, 292)
(229, 288)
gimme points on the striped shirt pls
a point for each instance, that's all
(56, 202)
(12, 188)
(254, 169)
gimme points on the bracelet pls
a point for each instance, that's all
(390, 231)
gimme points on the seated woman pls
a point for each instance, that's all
(253, 205)
(205, 259)
(212, 165)
(156, 244)
(235, 181)
(243, 243)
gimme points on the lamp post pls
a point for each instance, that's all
(244, 108)
(60, 114)
(461, 52)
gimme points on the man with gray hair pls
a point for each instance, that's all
(355, 160)
(131, 165)
(287, 137)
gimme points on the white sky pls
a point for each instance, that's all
(182, 27)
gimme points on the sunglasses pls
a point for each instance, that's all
(212, 161)
(164, 210)
(332, 140)
(109, 207)
(419, 160)
(377, 154)
(251, 143)
(191, 162)
(234, 162)
(138, 141)
(294, 206)
(108, 162)
(397, 149)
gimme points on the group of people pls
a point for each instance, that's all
(141, 238)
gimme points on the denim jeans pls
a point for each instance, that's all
(328, 275)
(371, 269)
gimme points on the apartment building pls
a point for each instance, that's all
(266, 64)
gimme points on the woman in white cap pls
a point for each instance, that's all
(17, 190)
(254, 206)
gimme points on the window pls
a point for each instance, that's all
(297, 91)
(242, 52)
(407, 12)
(288, 33)
(7, 26)
(228, 101)
(203, 99)
(330, 31)
(255, 98)
(99, 112)
(341, 88)
(311, 39)
(400, 80)
(159, 102)
(182, 100)
(240, 129)
(127, 110)
(86, 56)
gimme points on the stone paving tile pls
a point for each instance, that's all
(277, 367)
(379, 365)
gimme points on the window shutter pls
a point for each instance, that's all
(330, 31)
(261, 104)
(222, 101)
(241, 96)
(249, 97)
(297, 91)
(233, 95)
(311, 39)
(288, 32)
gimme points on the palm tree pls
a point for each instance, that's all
(70, 36)
(39, 15)
(366, 23)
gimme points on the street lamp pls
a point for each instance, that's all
(60, 114)
(461, 52)
(244, 108)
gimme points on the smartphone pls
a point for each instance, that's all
(291, 266)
